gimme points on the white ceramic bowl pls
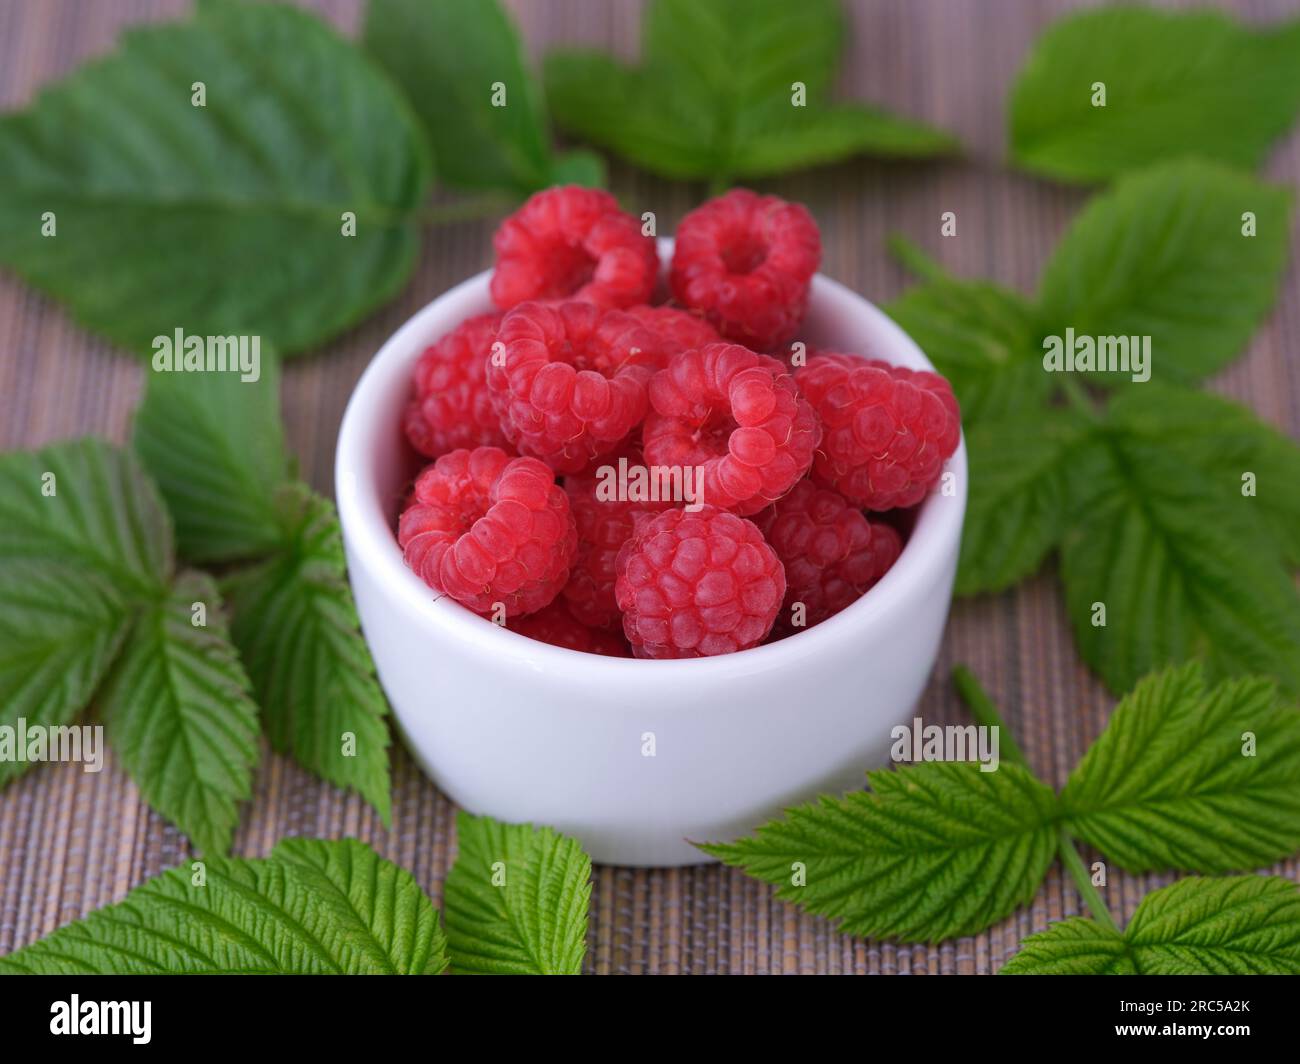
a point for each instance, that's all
(633, 757)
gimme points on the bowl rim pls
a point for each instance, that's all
(935, 533)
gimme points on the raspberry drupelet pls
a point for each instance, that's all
(697, 584)
(573, 243)
(450, 406)
(486, 528)
(738, 417)
(832, 554)
(887, 430)
(569, 380)
(555, 624)
(678, 330)
(746, 262)
(604, 525)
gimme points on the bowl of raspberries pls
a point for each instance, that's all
(651, 538)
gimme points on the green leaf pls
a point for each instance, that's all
(1020, 472)
(940, 849)
(796, 138)
(311, 908)
(983, 338)
(579, 167)
(1177, 84)
(1077, 946)
(178, 713)
(516, 900)
(1225, 442)
(683, 114)
(296, 627)
(1170, 784)
(214, 444)
(602, 101)
(226, 218)
(1237, 925)
(1163, 255)
(451, 57)
(89, 507)
(1180, 574)
(83, 540)
(59, 632)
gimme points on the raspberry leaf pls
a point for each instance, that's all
(215, 445)
(1236, 925)
(462, 67)
(516, 900)
(788, 138)
(683, 114)
(1250, 467)
(940, 849)
(1165, 254)
(222, 218)
(60, 631)
(1077, 946)
(1190, 777)
(297, 630)
(984, 339)
(1020, 471)
(83, 540)
(311, 908)
(1177, 84)
(178, 713)
(87, 506)
(1158, 569)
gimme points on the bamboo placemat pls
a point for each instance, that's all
(70, 841)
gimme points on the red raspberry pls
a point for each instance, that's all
(570, 380)
(678, 330)
(554, 624)
(486, 528)
(697, 584)
(887, 430)
(452, 407)
(736, 415)
(573, 243)
(604, 525)
(746, 261)
(832, 554)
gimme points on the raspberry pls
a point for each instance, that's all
(604, 525)
(697, 584)
(888, 430)
(554, 624)
(746, 261)
(832, 554)
(486, 528)
(736, 415)
(570, 380)
(678, 330)
(573, 243)
(452, 407)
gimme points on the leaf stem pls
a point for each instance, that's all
(1079, 399)
(1069, 855)
(912, 257)
(986, 714)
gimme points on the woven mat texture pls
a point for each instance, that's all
(71, 841)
